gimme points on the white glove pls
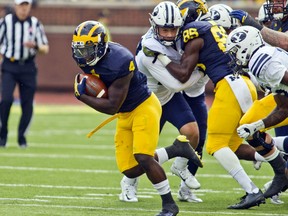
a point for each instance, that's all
(246, 130)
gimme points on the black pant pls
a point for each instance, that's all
(24, 75)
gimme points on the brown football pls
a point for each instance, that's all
(95, 86)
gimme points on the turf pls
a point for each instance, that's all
(62, 172)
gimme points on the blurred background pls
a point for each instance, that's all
(127, 21)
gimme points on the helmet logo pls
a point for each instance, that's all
(155, 12)
(238, 37)
(215, 15)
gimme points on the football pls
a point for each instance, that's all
(94, 86)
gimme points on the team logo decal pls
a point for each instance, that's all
(238, 37)
(215, 15)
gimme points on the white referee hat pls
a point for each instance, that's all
(18, 2)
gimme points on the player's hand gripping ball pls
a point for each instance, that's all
(94, 86)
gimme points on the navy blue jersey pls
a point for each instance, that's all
(280, 25)
(116, 63)
(212, 58)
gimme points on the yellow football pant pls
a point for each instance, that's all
(260, 109)
(224, 116)
(137, 132)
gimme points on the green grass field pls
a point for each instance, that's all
(64, 173)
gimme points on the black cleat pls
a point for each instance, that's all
(248, 201)
(169, 210)
(185, 150)
(279, 183)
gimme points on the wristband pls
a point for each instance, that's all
(259, 125)
(164, 59)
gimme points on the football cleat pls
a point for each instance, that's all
(249, 200)
(129, 192)
(185, 150)
(257, 165)
(186, 176)
(279, 183)
(276, 198)
(186, 195)
(170, 209)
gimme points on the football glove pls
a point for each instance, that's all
(150, 53)
(79, 86)
(245, 19)
(247, 130)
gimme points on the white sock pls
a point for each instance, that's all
(129, 181)
(162, 187)
(227, 158)
(279, 141)
(162, 155)
(180, 162)
(259, 157)
(273, 156)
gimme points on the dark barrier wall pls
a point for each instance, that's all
(57, 69)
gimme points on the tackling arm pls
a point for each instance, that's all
(275, 38)
(189, 60)
(279, 114)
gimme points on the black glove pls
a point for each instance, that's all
(245, 19)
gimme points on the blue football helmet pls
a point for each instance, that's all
(89, 43)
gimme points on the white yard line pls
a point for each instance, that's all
(112, 171)
(127, 209)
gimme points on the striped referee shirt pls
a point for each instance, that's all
(13, 33)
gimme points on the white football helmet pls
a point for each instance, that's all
(220, 14)
(262, 14)
(242, 42)
(166, 14)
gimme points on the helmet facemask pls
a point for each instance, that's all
(276, 10)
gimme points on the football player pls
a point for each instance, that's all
(204, 45)
(276, 11)
(269, 65)
(166, 21)
(138, 110)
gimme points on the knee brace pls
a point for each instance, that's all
(262, 142)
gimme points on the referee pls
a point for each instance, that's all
(21, 37)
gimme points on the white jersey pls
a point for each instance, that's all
(159, 80)
(198, 88)
(269, 65)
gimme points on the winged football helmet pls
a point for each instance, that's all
(89, 43)
(192, 10)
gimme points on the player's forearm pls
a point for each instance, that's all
(275, 117)
(275, 38)
(178, 71)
